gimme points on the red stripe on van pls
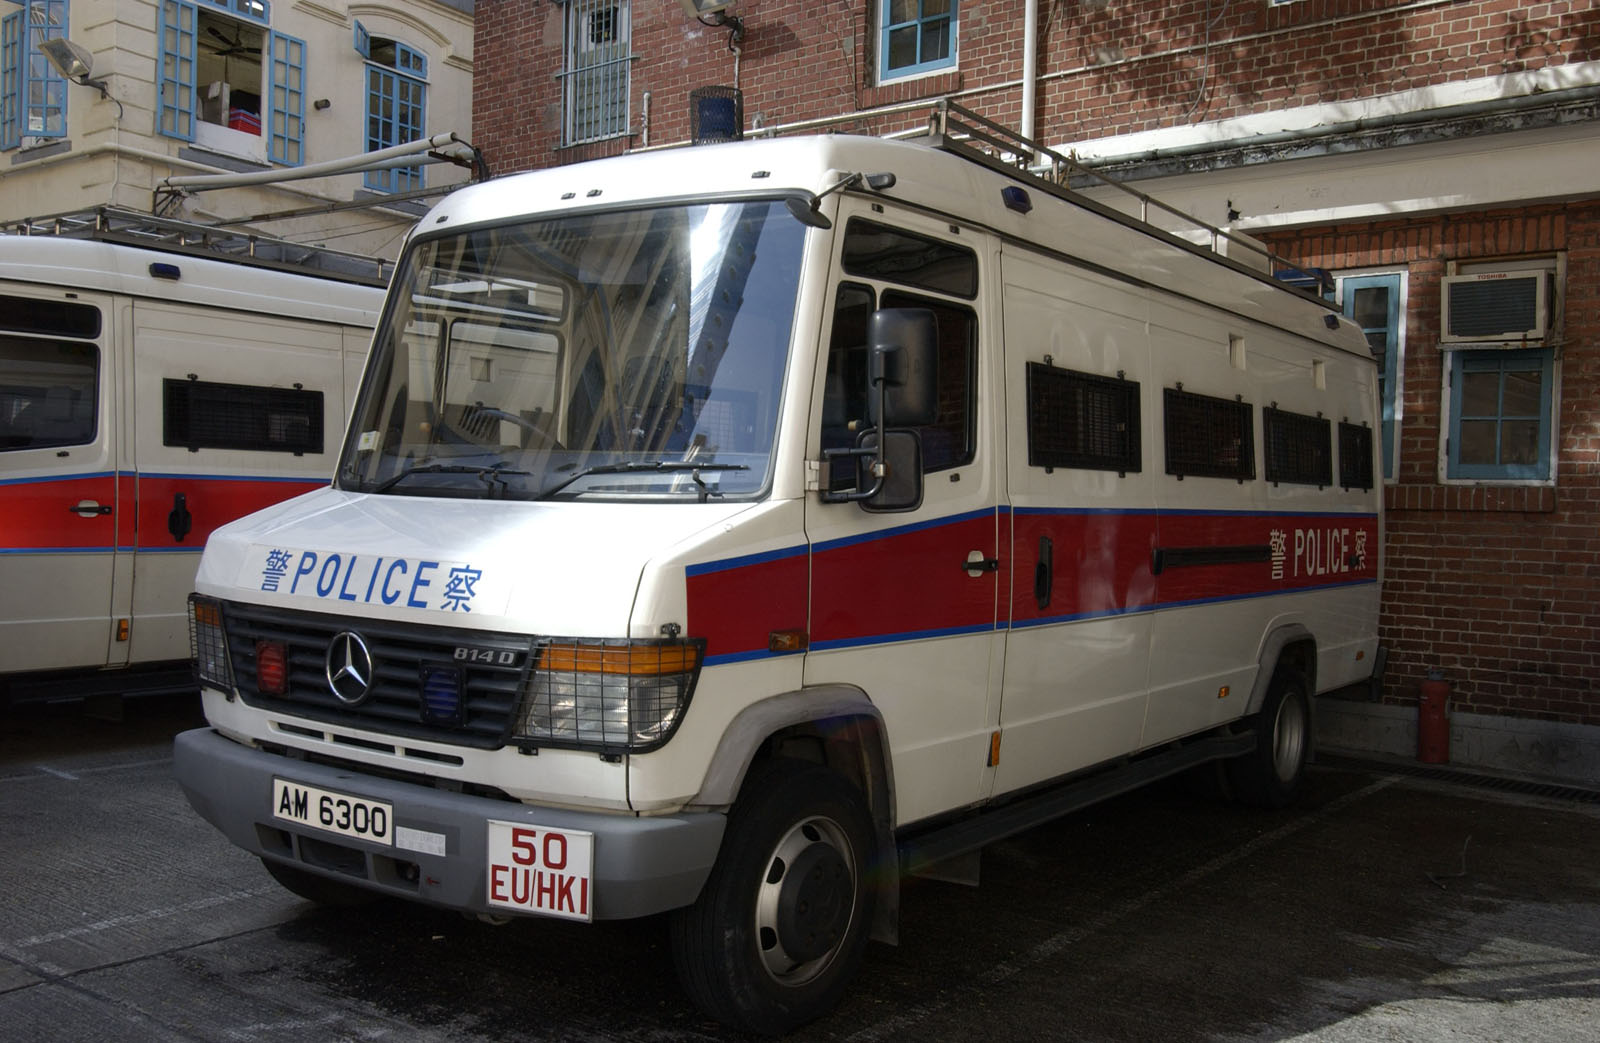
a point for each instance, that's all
(37, 515)
(211, 503)
(737, 608)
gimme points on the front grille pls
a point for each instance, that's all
(492, 670)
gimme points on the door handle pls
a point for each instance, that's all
(1044, 573)
(976, 564)
(179, 520)
(89, 509)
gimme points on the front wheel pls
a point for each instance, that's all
(1274, 773)
(782, 921)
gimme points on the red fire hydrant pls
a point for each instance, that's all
(1433, 722)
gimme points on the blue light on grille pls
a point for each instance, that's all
(441, 695)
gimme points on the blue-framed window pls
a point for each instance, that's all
(33, 96)
(595, 76)
(917, 36)
(1374, 303)
(397, 98)
(261, 89)
(1501, 410)
(255, 10)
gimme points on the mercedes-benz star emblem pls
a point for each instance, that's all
(349, 667)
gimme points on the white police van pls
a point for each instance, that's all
(157, 379)
(729, 531)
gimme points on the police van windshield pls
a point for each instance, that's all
(626, 355)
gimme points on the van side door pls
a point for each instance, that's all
(235, 413)
(1077, 371)
(61, 520)
(903, 604)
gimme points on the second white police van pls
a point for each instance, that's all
(730, 531)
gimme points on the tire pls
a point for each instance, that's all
(335, 894)
(782, 921)
(1274, 773)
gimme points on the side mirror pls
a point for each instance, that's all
(903, 374)
(901, 488)
(904, 364)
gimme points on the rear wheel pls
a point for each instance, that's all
(319, 889)
(1274, 773)
(782, 921)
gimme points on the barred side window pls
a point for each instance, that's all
(200, 414)
(1082, 420)
(595, 80)
(1208, 437)
(1299, 448)
(1355, 456)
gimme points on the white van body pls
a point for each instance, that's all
(106, 496)
(622, 643)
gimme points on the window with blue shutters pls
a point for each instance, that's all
(220, 65)
(397, 94)
(33, 95)
(176, 39)
(286, 110)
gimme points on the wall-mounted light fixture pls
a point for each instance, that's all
(715, 14)
(72, 61)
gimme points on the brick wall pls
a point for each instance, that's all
(1498, 586)
(1179, 62)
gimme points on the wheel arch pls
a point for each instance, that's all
(1290, 644)
(838, 727)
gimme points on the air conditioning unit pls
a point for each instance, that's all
(1496, 306)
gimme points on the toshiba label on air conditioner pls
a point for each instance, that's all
(1505, 307)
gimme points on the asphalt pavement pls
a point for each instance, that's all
(1387, 906)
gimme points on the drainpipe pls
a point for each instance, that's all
(1030, 66)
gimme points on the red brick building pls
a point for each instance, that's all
(1426, 153)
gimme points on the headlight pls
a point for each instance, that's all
(616, 695)
(208, 643)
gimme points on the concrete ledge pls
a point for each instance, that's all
(1545, 750)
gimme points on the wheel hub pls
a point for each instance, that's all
(814, 903)
(805, 903)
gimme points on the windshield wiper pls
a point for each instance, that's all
(490, 474)
(636, 467)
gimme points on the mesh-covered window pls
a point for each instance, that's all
(204, 415)
(1355, 456)
(1082, 420)
(1299, 448)
(1209, 437)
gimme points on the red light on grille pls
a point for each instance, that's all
(272, 667)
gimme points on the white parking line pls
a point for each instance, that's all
(78, 774)
(1057, 943)
(208, 902)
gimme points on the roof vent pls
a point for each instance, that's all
(716, 114)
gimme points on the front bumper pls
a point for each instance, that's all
(641, 865)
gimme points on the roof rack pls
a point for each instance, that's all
(953, 128)
(958, 130)
(110, 224)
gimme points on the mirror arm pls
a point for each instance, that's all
(878, 470)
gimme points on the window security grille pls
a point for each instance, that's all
(1082, 420)
(204, 415)
(1355, 456)
(595, 80)
(1209, 437)
(1299, 448)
